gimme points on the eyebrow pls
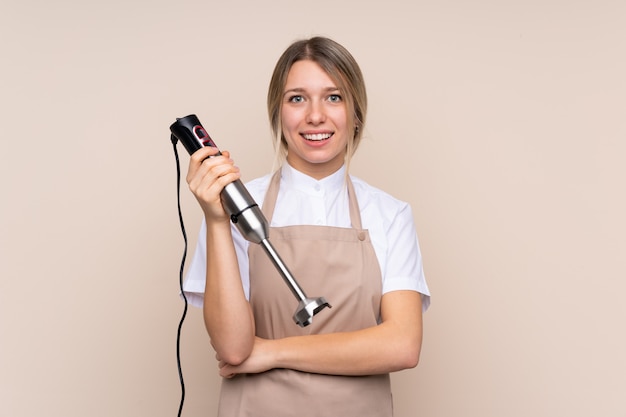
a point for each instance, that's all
(302, 90)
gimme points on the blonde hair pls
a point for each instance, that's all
(341, 67)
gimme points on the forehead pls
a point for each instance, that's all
(307, 74)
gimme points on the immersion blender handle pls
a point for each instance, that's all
(238, 203)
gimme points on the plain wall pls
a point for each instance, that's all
(501, 122)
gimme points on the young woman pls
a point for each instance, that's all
(340, 237)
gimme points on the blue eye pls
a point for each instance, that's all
(334, 98)
(296, 99)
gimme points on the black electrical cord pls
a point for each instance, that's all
(180, 278)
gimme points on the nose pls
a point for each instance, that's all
(315, 114)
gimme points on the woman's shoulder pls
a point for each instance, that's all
(371, 197)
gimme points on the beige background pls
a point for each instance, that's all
(501, 122)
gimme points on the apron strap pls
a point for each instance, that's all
(269, 202)
(271, 195)
(355, 212)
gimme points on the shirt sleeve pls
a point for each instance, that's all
(195, 279)
(404, 269)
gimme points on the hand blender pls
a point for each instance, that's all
(248, 217)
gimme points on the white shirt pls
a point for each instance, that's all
(304, 200)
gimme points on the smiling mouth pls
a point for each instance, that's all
(317, 136)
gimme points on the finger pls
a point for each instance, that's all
(196, 160)
(210, 172)
(217, 165)
(204, 158)
(226, 372)
(225, 175)
(203, 153)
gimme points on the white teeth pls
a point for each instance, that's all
(317, 136)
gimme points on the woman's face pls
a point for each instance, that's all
(314, 120)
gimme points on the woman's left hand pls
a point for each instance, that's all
(260, 360)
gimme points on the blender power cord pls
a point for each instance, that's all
(180, 279)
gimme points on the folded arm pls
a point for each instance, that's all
(390, 346)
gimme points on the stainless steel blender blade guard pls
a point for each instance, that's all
(307, 308)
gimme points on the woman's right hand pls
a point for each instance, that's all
(207, 176)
